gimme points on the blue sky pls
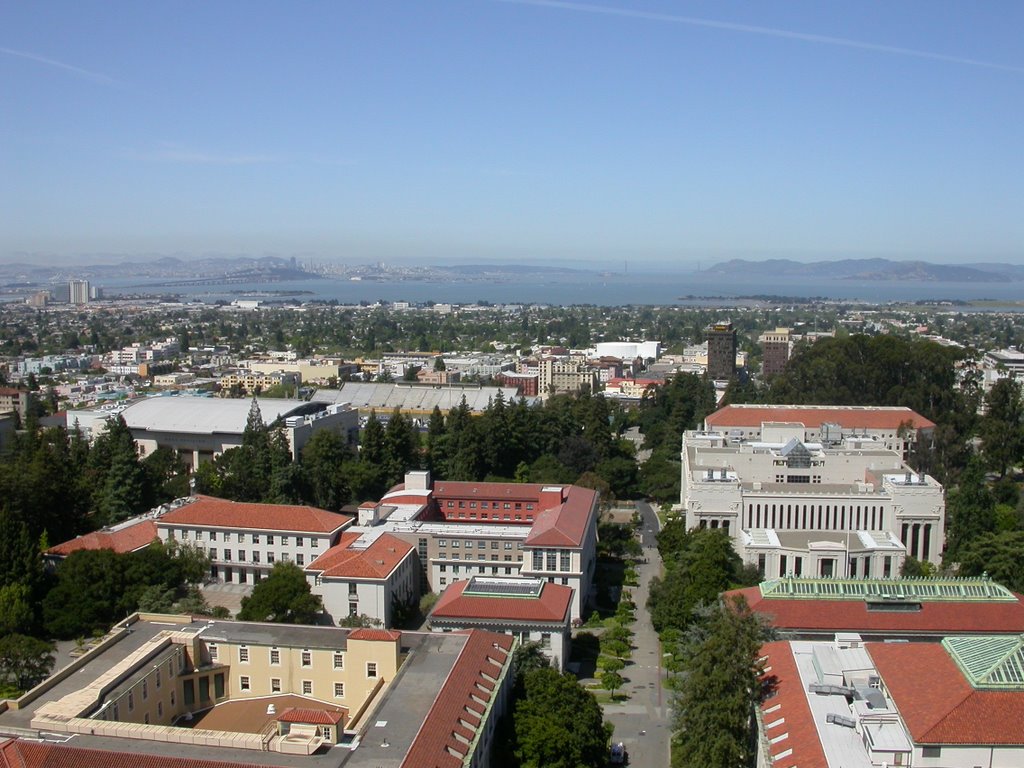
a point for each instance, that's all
(441, 130)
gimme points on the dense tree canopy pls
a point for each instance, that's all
(559, 724)
(283, 596)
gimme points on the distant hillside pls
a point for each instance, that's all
(874, 269)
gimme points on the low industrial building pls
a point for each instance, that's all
(202, 428)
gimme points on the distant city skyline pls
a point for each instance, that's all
(657, 133)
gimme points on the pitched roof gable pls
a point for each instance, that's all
(552, 605)
(566, 524)
(377, 561)
(938, 704)
(787, 713)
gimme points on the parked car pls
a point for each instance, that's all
(618, 755)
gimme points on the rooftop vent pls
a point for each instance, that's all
(843, 720)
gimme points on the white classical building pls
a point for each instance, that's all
(850, 509)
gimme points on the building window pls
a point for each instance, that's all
(352, 590)
(371, 669)
(241, 555)
(213, 651)
(275, 685)
(131, 701)
(243, 654)
(545, 640)
(339, 661)
(255, 538)
(270, 539)
(339, 690)
(275, 656)
(931, 751)
(255, 556)
(444, 580)
(298, 541)
(481, 545)
(284, 541)
(213, 535)
(270, 557)
(307, 687)
(159, 709)
(508, 545)
(145, 690)
(353, 609)
(314, 543)
(300, 559)
(564, 560)
(442, 542)
(243, 682)
(456, 544)
(240, 537)
(538, 560)
(307, 658)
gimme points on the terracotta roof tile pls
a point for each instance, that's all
(369, 633)
(789, 704)
(552, 605)
(27, 754)
(936, 618)
(377, 561)
(313, 716)
(564, 525)
(938, 704)
(814, 416)
(128, 539)
(430, 748)
(207, 511)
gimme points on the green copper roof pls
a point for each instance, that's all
(973, 589)
(989, 662)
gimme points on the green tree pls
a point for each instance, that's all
(401, 446)
(322, 460)
(611, 681)
(998, 555)
(121, 489)
(1002, 427)
(719, 687)
(283, 597)
(25, 661)
(558, 724)
(970, 510)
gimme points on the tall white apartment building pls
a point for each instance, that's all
(796, 507)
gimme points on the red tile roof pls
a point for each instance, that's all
(377, 561)
(814, 416)
(566, 524)
(474, 676)
(207, 511)
(29, 754)
(369, 633)
(938, 704)
(935, 617)
(313, 716)
(128, 539)
(789, 705)
(552, 605)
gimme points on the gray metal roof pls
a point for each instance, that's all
(206, 415)
(411, 397)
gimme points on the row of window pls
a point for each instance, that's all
(245, 685)
(473, 515)
(300, 558)
(552, 560)
(306, 658)
(469, 556)
(480, 544)
(255, 538)
(490, 505)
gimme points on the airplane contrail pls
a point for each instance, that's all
(89, 74)
(751, 29)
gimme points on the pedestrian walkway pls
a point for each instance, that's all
(643, 722)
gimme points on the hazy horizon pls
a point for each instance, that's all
(657, 133)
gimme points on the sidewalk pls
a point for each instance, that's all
(643, 722)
